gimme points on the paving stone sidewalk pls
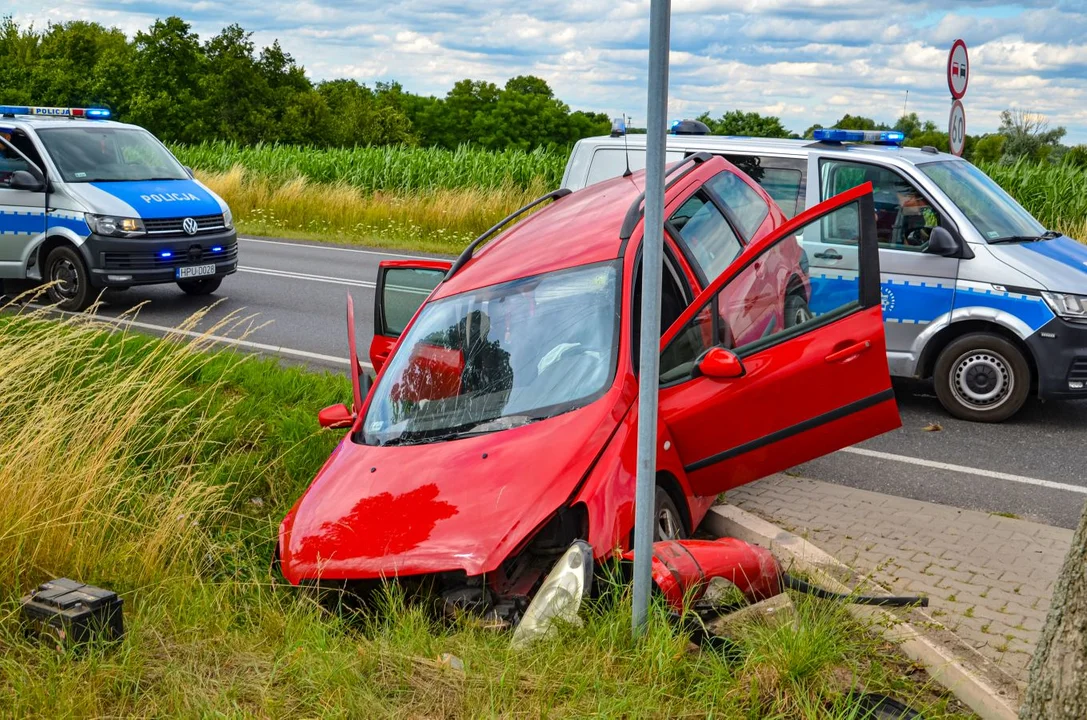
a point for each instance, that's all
(989, 578)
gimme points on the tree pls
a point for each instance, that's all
(737, 122)
(167, 68)
(989, 148)
(1058, 671)
(1028, 135)
(1076, 157)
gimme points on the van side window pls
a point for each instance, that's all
(9, 163)
(747, 206)
(904, 218)
(781, 178)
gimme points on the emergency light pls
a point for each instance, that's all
(618, 127)
(880, 137)
(87, 113)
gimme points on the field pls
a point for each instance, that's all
(438, 200)
(161, 471)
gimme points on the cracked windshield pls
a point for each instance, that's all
(499, 357)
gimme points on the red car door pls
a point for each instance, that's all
(402, 288)
(745, 408)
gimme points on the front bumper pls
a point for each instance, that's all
(1060, 351)
(123, 262)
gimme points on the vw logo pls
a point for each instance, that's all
(189, 226)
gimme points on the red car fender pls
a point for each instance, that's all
(682, 569)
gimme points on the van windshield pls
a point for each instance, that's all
(499, 357)
(991, 210)
(99, 153)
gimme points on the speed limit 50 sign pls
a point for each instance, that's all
(956, 128)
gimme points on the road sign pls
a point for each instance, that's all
(956, 128)
(958, 70)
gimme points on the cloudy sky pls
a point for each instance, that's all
(806, 61)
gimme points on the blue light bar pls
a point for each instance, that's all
(88, 113)
(618, 127)
(166, 254)
(881, 137)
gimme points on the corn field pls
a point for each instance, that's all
(1055, 194)
(393, 168)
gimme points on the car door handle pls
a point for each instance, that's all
(851, 351)
(829, 255)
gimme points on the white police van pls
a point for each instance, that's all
(977, 294)
(87, 203)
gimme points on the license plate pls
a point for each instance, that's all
(195, 271)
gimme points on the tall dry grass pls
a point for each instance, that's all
(440, 220)
(101, 452)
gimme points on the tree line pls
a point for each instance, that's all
(184, 89)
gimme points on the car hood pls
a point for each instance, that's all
(147, 199)
(457, 505)
(1059, 264)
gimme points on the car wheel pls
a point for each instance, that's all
(797, 311)
(204, 286)
(70, 283)
(667, 520)
(982, 377)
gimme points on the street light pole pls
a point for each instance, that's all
(649, 353)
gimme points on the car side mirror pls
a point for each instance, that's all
(942, 243)
(336, 416)
(721, 363)
(23, 180)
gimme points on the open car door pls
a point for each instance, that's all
(402, 287)
(815, 381)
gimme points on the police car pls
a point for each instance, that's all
(977, 294)
(87, 203)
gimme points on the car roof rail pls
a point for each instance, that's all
(466, 254)
(634, 213)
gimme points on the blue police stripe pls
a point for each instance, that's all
(1030, 309)
(31, 223)
(915, 301)
(77, 225)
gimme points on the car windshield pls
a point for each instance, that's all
(991, 210)
(99, 153)
(499, 357)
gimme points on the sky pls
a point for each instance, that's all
(806, 61)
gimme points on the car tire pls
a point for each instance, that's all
(982, 377)
(204, 286)
(70, 283)
(797, 311)
(667, 519)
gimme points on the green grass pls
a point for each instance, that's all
(161, 471)
(1055, 194)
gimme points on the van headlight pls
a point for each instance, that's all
(1067, 306)
(560, 595)
(115, 226)
(228, 218)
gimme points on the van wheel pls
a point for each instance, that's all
(667, 520)
(70, 287)
(982, 377)
(206, 286)
(797, 311)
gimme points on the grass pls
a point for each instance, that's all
(161, 470)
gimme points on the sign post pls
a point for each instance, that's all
(958, 78)
(649, 353)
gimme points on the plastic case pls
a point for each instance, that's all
(68, 613)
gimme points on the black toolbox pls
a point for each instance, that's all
(68, 613)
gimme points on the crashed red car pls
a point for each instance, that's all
(502, 423)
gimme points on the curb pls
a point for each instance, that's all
(969, 684)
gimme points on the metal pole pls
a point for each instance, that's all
(648, 354)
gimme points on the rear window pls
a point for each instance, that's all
(706, 233)
(781, 178)
(746, 205)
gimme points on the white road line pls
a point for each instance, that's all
(306, 276)
(966, 470)
(307, 246)
(248, 344)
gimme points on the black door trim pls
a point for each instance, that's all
(836, 414)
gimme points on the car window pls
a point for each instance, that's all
(10, 162)
(746, 205)
(781, 178)
(771, 299)
(904, 218)
(708, 236)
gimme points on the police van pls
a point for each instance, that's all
(87, 203)
(977, 294)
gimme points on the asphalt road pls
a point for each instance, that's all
(293, 299)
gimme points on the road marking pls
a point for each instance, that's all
(336, 249)
(966, 470)
(248, 344)
(306, 276)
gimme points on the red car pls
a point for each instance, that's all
(502, 424)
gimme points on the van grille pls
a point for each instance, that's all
(153, 260)
(1078, 371)
(172, 226)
